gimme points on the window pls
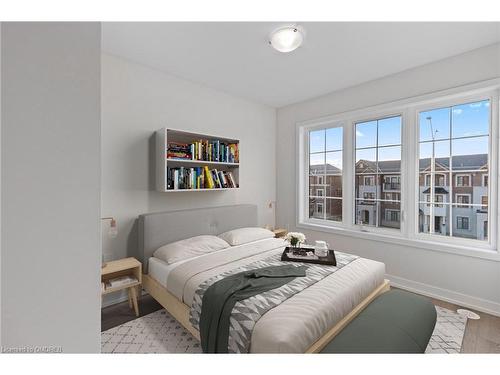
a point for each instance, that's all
(439, 180)
(484, 202)
(369, 196)
(463, 200)
(369, 181)
(392, 183)
(454, 141)
(438, 198)
(406, 172)
(485, 180)
(392, 215)
(462, 222)
(378, 154)
(325, 174)
(462, 180)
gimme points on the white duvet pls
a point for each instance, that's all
(294, 325)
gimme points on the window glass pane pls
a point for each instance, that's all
(460, 198)
(333, 209)
(334, 162)
(317, 164)
(333, 174)
(317, 186)
(365, 159)
(389, 131)
(470, 222)
(441, 153)
(334, 139)
(392, 154)
(440, 213)
(366, 181)
(466, 186)
(390, 214)
(366, 212)
(366, 134)
(434, 124)
(317, 141)
(317, 208)
(470, 119)
(470, 153)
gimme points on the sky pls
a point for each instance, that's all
(470, 119)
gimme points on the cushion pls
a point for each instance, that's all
(189, 248)
(244, 235)
(396, 322)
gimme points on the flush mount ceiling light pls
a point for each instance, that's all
(287, 39)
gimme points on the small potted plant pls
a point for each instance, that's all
(295, 239)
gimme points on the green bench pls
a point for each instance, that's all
(395, 322)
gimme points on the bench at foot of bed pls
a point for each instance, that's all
(395, 322)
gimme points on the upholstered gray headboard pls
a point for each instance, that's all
(158, 229)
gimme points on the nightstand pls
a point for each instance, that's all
(119, 268)
(279, 233)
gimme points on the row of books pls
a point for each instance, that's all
(204, 150)
(199, 178)
(179, 151)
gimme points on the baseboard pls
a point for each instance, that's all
(479, 304)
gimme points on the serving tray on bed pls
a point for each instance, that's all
(329, 260)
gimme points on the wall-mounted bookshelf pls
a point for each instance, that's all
(187, 161)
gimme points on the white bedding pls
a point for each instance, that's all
(294, 325)
(159, 269)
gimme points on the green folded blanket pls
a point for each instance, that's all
(220, 298)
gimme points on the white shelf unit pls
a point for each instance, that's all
(166, 135)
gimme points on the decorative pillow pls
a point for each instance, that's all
(189, 248)
(245, 235)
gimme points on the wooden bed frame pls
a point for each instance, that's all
(180, 311)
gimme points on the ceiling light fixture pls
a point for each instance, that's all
(287, 39)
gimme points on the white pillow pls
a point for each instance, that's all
(245, 235)
(189, 248)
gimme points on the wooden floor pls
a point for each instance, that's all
(120, 313)
(481, 336)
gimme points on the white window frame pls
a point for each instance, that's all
(375, 116)
(409, 109)
(463, 175)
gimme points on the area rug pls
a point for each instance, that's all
(159, 332)
(448, 334)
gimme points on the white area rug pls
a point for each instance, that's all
(448, 333)
(159, 332)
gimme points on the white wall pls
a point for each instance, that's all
(50, 186)
(136, 101)
(471, 281)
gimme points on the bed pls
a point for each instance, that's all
(303, 323)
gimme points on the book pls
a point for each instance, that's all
(121, 281)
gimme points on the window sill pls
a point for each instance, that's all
(395, 238)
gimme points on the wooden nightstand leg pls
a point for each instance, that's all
(129, 297)
(133, 290)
